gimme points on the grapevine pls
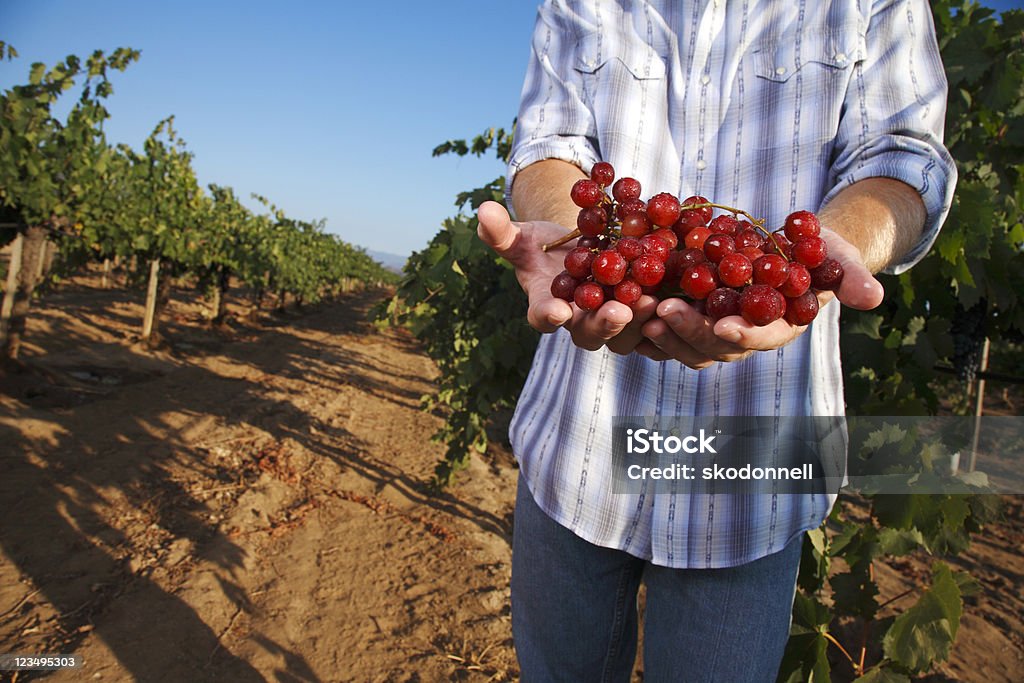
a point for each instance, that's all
(968, 331)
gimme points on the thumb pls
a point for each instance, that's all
(496, 228)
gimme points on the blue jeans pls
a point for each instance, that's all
(574, 614)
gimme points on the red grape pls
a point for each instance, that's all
(752, 253)
(628, 292)
(728, 225)
(589, 296)
(655, 247)
(674, 266)
(749, 238)
(801, 310)
(797, 282)
(635, 225)
(801, 224)
(706, 212)
(564, 286)
(585, 193)
(648, 270)
(625, 189)
(810, 251)
(692, 256)
(718, 246)
(721, 302)
(735, 270)
(609, 267)
(629, 247)
(771, 270)
(699, 280)
(663, 209)
(696, 237)
(667, 236)
(592, 221)
(828, 276)
(602, 173)
(578, 262)
(761, 305)
(630, 207)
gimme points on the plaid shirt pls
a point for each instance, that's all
(769, 106)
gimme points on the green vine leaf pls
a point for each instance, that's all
(925, 632)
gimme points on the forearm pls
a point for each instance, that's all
(541, 192)
(884, 218)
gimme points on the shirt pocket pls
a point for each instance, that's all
(803, 80)
(624, 85)
(617, 52)
(817, 53)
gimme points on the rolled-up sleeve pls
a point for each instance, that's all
(894, 116)
(554, 121)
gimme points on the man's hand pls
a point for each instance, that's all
(671, 329)
(614, 324)
(680, 332)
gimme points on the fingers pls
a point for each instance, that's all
(737, 331)
(632, 336)
(683, 333)
(591, 330)
(859, 288)
(547, 315)
(662, 337)
(496, 228)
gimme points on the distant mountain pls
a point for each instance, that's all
(392, 262)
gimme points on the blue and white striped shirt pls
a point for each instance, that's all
(769, 106)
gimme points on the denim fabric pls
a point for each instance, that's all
(574, 614)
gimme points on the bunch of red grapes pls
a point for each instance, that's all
(724, 265)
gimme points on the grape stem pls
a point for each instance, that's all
(573, 234)
(756, 222)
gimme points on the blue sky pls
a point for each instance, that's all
(329, 109)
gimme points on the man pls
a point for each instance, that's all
(836, 107)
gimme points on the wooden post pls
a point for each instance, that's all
(45, 259)
(33, 239)
(149, 321)
(11, 286)
(105, 279)
(979, 407)
(221, 286)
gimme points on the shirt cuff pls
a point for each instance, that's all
(573, 149)
(932, 175)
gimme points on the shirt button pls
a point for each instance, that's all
(701, 165)
(841, 58)
(780, 70)
(705, 79)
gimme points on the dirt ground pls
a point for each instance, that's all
(249, 504)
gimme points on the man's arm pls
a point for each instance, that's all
(884, 218)
(541, 192)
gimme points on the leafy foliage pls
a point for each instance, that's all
(99, 201)
(465, 305)
(977, 266)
